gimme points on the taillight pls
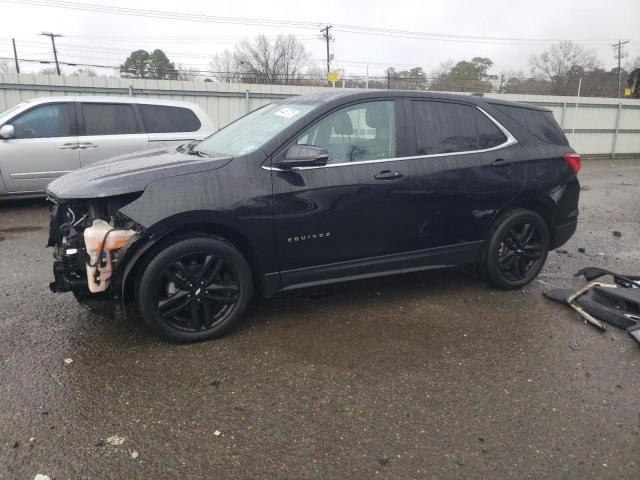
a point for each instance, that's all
(573, 160)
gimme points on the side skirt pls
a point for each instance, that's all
(449, 256)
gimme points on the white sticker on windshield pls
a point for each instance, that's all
(287, 112)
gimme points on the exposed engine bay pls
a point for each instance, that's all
(88, 238)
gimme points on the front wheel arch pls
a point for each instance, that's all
(136, 259)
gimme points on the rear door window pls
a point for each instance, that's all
(109, 119)
(165, 119)
(489, 135)
(44, 121)
(444, 127)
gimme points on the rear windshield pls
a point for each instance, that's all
(539, 123)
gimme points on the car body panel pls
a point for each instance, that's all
(212, 196)
(27, 164)
(129, 173)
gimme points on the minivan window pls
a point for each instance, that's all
(444, 127)
(366, 131)
(164, 119)
(44, 121)
(540, 123)
(250, 132)
(489, 135)
(109, 119)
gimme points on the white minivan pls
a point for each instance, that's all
(44, 138)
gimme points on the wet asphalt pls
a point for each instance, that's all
(426, 375)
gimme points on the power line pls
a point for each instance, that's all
(89, 51)
(354, 29)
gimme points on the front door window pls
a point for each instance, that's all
(45, 121)
(365, 131)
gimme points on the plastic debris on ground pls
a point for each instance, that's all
(616, 303)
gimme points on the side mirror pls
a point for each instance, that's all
(7, 132)
(304, 156)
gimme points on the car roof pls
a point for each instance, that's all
(342, 96)
(112, 99)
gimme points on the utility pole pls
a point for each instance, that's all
(619, 55)
(388, 78)
(328, 38)
(53, 43)
(15, 55)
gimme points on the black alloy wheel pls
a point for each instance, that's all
(516, 249)
(520, 251)
(195, 289)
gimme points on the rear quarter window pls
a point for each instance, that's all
(164, 119)
(539, 123)
(489, 135)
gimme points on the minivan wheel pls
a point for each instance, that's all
(195, 289)
(517, 249)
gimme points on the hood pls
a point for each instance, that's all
(129, 173)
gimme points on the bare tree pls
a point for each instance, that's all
(48, 71)
(262, 61)
(188, 74)
(6, 67)
(632, 65)
(562, 64)
(84, 72)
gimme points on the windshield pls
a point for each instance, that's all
(252, 131)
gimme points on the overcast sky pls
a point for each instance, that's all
(105, 38)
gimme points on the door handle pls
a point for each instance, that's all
(388, 175)
(69, 146)
(84, 145)
(500, 162)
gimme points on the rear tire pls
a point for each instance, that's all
(517, 249)
(194, 289)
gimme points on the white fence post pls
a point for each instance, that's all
(615, 131)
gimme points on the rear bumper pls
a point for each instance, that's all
(562, 233)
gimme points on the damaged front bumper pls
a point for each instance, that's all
(69, 221)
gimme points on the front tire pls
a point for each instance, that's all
(517, 249)
(195, 289)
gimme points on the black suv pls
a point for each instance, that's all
(312, 190)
